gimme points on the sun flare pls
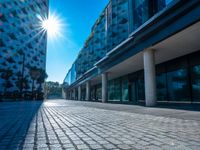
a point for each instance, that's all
(52, 25)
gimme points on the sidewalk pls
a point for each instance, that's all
(61, 124)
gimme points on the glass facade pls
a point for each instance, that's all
(114, 90)
(195, 79)
(71, 76)
(83, 93)
(177, 80)
(98, 92)
(177, 85)
(161, 79)
(113, 26)
(195, 76)
(22, 45)
(140, 12)
(125, 87)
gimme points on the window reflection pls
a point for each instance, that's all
(125, 96)
(178, 87)
(195, 77)
(161, 87)
(114, 90)
(98, 92)
(140, 87)
(140, 12)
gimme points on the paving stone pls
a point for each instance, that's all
(59, 124)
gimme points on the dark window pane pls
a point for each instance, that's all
(125, 92)
(140, 12)
(98, 92)
(161, 82)
(161, 87)
(194, 59)
(178, 87)
(140, 86)
(195, 78)
(114, 90)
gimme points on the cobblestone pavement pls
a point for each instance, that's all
(59, 124)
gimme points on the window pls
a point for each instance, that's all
(140, 86)
(178, 86)
(195, 79)
(140, 12)
(195, 76)
(125, 91)
(98, 92)
(161, 82)
(114, 90)
(163, 3)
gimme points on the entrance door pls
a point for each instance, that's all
(133, 93)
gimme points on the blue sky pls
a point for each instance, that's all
(78, 16)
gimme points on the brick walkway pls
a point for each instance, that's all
(60, 124)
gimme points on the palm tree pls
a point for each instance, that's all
(41, 79)
(35, 74)
(18, 81)
(22, 54)
(6, 74)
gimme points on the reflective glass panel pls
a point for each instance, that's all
(114, 90)
(98, 93)
(195, 78)
(140, 12)
(140, 86)
(125, 92)
(161, 87)
(178, 86)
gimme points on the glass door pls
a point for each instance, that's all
(133, 93)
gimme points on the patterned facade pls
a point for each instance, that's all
(116, 22)
(23, 44)
(110, 29)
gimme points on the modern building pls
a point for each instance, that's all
(22, 46)
(148, 52)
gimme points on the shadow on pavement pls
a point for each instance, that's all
(15, 119)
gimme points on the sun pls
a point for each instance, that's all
(53, 25)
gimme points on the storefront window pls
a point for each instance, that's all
(195, 75)
(161, 87)
(114, 90)
(125, 92)
(178, 86)
(140, 86)
(161, 82)
(98, 92)
(83, 93)
(93, 93)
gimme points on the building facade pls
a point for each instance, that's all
(151, 55)
(22, 47)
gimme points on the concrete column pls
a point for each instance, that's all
(79, 93)
(149, 77)
(87, 91)
(104, 87)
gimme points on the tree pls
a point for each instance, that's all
(42, 77)
(53, 90)
(6, 74)
(35, 74)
